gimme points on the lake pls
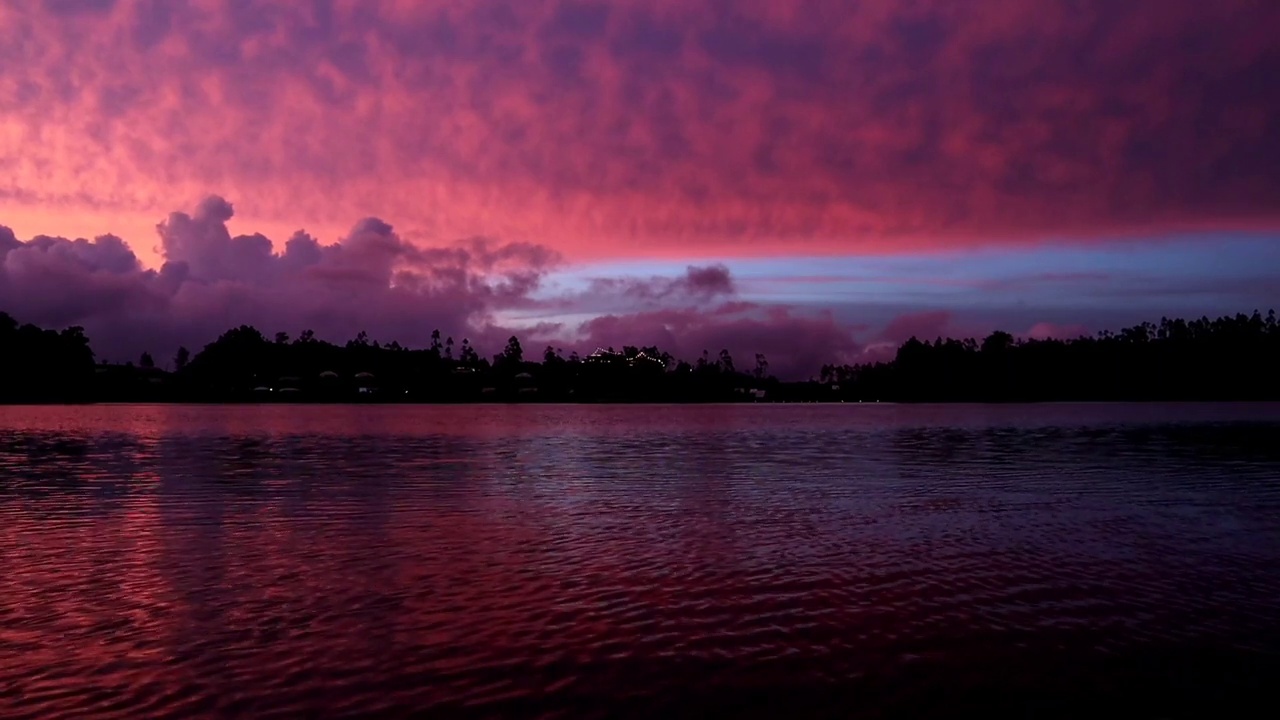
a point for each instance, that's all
(638, 561)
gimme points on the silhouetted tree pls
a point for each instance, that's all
(282, 338)
(38, 364)
(469, 355)
(512, 354)
(1173, 359)
(762, 367)
(1198, 359)
(997, 342)
(146, 361)
(726, 361)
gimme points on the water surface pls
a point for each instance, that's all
(306, 561)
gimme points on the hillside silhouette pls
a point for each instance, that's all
(1230, 358)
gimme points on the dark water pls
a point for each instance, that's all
(785, 561)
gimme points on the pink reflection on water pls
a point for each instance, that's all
(190, 561)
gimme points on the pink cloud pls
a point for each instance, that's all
(925, 325)
(1047, 330)
(370, 281)
(686, 129)
(795, 344)
(374, 281)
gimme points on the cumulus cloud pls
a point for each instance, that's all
(8, 241)
(673, 127)
(375, 280)
(698, 310)
(372, 280)
(59, 282)
(795, 344)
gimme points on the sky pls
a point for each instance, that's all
(815, 180)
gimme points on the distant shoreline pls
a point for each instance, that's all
(575, 403)
(1230, 359)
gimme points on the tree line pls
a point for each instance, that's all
(243, 364)
(1230, 358)
(43, 365)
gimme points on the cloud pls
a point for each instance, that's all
(795, 344)
(8, 241)
(375, 281)
(371, 281)
(696, 284)
(59, 282)
(1047, 330)
(920, 325)
(690, 128)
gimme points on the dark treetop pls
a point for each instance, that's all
(1231, 358)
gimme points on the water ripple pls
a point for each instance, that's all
(595, 561)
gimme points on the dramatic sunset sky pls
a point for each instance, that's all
(814, 180)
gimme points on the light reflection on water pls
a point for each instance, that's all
(299, 561)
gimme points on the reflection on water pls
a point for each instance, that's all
(779, 560)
